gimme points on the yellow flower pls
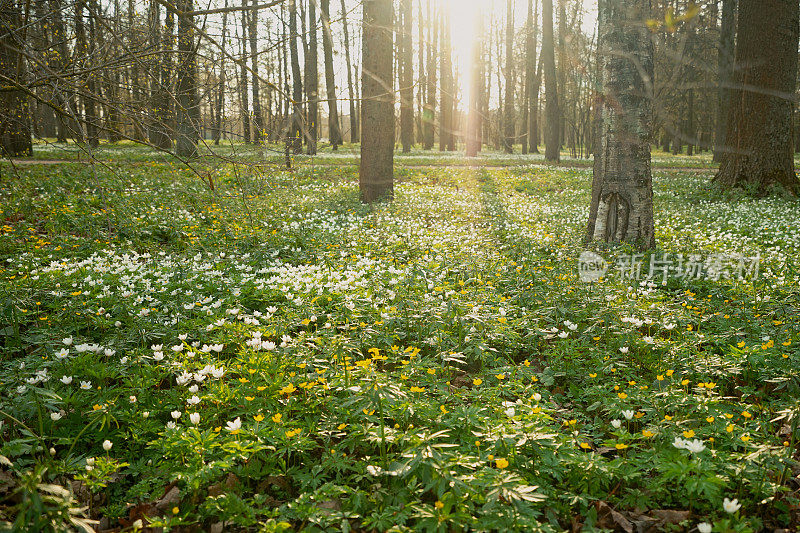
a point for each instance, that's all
(620, 446)
(667, 417)
(501, 377)
(585, 446)
(729, 428)
(277, 418)
(364, 363)
(622, 395)
(740, 344)
(501, 463)
(647, 433)
(443, 409)
(244, 380)
(477, 382)
(745, 438)
(688, 434)
(340, 427)
(261, 388)
(259, 417)
(431, 371)
(288, 389)
(417, 389)
(710, 419)
(438, 504)
(685, 382)
(746, 414)
(175, 510)
(660, 377)
(593, 375)
(670, 372)
(374, 351)
(249, 398)
(368, 413)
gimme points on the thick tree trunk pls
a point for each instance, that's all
(15, 122)
(188, 105)
(406, 77)
(311, 58)
(759, 137)
(725, 73)
(297, 82)
(354, 121)
(334, 130)
(377, 144)
(622, 192)
(552, 115)
(259, 132)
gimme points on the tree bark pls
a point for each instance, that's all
(259, 132)
(622, 191)
(759, 138)
(334, 129)
(297, 82)
(429, 115)
(509, 118)
(474, 122)
(188, 108)
(406, 77)
(354, 121)
(377, 144)
(311, 58)
(725, 73)
(15, 122)
(552, 115)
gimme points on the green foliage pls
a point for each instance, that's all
(273, 356)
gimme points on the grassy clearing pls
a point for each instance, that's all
(272, 355)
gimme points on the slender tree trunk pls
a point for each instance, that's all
(446, 133)
(552, 141)
(530, 72)
(509, 118)
(760, 121)
(259, 131)
(537, 83)
(297, 82)
(15, 120)
(83, 52)
(725, 73)
(622, 190)
(406, 76)
(474, 122)
(421, 83)
(334, 129)
(376, 181)
(312, 80)
(354, 121)
(188, 105)
(244, 94)
(220, 103)
(429, 115)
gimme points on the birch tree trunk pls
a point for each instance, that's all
(622, 190)
(376, 178)
(759, 137)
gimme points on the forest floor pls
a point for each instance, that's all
(269, 354)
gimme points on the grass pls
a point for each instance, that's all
(271, 355)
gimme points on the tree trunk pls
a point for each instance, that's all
(259, 132)
(446, 134)
(406, 77)
(220, 101)
(312, 80)
(530, 72)
(725, 73)
(552, 115)
(15, 122)
(354, 122)
(188, 108)
(474, 122)
(429, 115)
(297, 82)
(760, 122)
(509, 118)
(334, 129)
(83, 52)
(377, 144)
(622, 191)
(244, 95)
